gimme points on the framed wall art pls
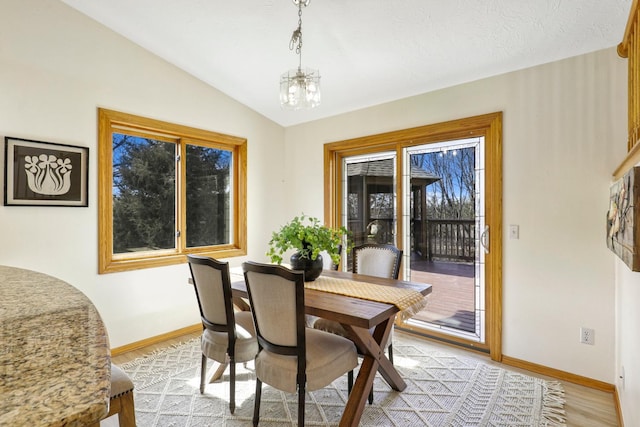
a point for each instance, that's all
(40, 173)
(623, 233)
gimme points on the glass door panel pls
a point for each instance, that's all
(369, 199)
(443, 218)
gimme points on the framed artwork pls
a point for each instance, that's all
(623, 235)
(45, 174)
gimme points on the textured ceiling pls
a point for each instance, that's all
(368, 51)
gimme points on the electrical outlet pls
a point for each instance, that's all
(514, 231)
(587, 336)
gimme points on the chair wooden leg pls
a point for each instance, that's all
(232, 386)
(123, 408)
(127, 414)
(371, 395)
(301, 398)
(256, 404)
(203, 372)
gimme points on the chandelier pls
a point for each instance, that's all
(299, 88)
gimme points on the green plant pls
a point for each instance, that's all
(309, 237)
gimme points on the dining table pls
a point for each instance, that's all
(55, 364)
(368, 322)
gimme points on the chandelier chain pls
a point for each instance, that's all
(296, 37)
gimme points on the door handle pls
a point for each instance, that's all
(484, 239)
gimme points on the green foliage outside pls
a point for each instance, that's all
(144, 195)
(453, 195)
(208, 196)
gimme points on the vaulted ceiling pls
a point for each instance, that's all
(368, 51)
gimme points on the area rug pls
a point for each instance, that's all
(443, 390)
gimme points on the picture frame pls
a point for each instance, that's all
(623, 231)
(38, 173)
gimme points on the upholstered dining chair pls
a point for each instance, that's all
(291, 357)
(372, 259)
(380, 260)
(228, 337)
(121, 398)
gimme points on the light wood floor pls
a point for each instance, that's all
(585, 407)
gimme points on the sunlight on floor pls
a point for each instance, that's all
(403, 362)
(220, 387)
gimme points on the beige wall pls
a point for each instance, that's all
(564, 133)
(56, 68)
(628, 341)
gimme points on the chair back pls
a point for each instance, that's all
(213, 290)
(380, 260)
(276, 295)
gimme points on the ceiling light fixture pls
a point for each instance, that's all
(299, 88)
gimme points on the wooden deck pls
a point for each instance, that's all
(452, 300)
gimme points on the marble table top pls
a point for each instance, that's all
(54, 353)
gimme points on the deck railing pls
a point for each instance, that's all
(451, 239)
(445, 239)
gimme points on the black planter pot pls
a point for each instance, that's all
(311, 268)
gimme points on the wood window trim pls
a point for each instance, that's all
(487, 125)
(109, 120)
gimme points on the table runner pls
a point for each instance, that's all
(408, 301)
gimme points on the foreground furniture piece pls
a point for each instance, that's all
(291, 357)
(380, 260)
(55, 349)
(121, 400)
(358, 316)
(228, 337)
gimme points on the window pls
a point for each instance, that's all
(167, 190)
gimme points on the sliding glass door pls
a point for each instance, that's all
(436, 193)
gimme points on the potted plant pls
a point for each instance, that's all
(308, 237)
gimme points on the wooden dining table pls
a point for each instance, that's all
(358, 317)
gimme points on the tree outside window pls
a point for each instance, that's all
(166, 191)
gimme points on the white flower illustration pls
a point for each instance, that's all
(48, 175)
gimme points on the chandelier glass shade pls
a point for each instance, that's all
(299, 87)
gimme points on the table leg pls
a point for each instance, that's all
(386, 368)
(359, 393)
(218, 373)
(374, 360)
(241, 303)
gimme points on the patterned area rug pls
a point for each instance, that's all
(442, 390)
